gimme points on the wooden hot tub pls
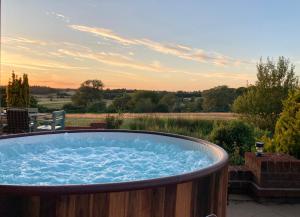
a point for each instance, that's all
(197, 194)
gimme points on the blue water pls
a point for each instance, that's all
(90, 158)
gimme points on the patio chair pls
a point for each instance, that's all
(18, 121)
(57, 122)
(3, 120)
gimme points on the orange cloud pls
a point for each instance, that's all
(114, 59)
(21, 40)
(178, 50)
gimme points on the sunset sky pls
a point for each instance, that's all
(146, 44)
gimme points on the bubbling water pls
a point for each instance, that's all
(92, 158)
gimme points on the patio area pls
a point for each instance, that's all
(244, 206)
(27, 120)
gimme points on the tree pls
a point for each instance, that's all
(261, 104)
(166, 103)
(287, 131)
(144, 105)
(144, 101)
(3, 96)
(17, 91)
(218, 99)
(88, 93)
(120, 103)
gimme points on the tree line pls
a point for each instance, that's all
(91, 97)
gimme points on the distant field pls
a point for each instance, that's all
(55, 104)
(52, 103)
(86, 119)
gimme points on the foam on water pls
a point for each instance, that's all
(89, 158)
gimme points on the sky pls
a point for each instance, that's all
(146, 44)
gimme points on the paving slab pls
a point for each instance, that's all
(244, 206)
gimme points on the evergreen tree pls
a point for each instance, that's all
(17, 91)
(287, 131)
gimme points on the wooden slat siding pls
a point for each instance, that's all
(31, 207)
(61, 206)
(196, 198)
(201, 189)
(118, 203)
(224, 189)
(82, 205)
(217, 194)
(157, 202)
(221, 194)
(71, 204)
(132, 203)
(144, 197)
(100, 205)
(47, 206)
(91, 204)
(212, 194)
(184, 200)
(139, 203)
(170, 200)
(10, 206)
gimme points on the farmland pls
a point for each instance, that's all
(86, 119)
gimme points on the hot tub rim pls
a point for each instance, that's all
(118, 186)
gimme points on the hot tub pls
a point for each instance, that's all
(111, 173)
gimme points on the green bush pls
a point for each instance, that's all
(235, 158)
(71, 108)
(287, 131)
(234, 136)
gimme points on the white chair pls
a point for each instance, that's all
(57, 122)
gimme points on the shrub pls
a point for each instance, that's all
(96, 107)
(287, 131)
(235, 158)
(71, 108)
(233, 136)
(113, 122)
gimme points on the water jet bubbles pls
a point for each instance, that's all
(91, 158)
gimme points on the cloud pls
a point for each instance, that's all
(59, 16)
(21, 41)
(114, 59)
(178, 50)
(105, 33)
(63, 49)
(21, 61)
